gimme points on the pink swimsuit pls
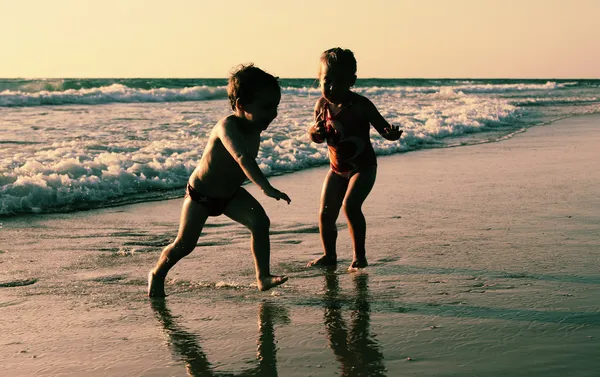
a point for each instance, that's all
(348, 140)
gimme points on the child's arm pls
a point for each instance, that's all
(387, 131)
(235, 143)
(317, 132)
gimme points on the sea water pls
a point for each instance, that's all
(72, 144)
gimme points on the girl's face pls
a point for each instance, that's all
(335, 82)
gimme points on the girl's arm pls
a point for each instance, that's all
(387, 131)
(317, 132)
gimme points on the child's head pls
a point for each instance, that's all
(339, 58)
(337, 73)
(254, 94)
(246, 81)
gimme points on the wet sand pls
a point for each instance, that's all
(484, 261)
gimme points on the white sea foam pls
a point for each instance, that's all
(63, 157)
(467, 87)
(118, 93)
(110, 94)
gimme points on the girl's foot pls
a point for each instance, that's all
(358, 263)
(270, 281)
(323, 261)
(156, 285)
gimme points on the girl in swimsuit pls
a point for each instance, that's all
(343, 119)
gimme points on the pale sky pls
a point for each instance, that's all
(390, 38)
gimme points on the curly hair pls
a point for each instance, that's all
(246, 80)
(339, 57)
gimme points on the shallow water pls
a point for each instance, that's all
(474, 271)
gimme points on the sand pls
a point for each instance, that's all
(484, 261)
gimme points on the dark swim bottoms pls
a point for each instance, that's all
(215, 206)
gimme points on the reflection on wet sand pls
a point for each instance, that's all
(353, 345)
(185, 345)
(355, 348)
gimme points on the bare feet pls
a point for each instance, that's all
(156, 285)
(357, 264)
(270, 281)
(323, 261)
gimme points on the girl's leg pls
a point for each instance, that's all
(360, 186)
(246, 210)
(193, 217)
(332, 195)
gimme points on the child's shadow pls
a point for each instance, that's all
(185, 346)
(355, 348)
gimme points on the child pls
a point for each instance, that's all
(343, 119)
(214, 188)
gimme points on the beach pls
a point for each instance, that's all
(483, 262)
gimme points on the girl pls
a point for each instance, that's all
(343, 119)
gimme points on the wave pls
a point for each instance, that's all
(556, 101)
(115, 93)
(62, 84)
(49, 183)
(58, 161)
(25, 93)
(466, 88)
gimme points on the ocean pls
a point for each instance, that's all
(78, 144)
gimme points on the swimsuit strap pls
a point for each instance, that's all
(327, 112)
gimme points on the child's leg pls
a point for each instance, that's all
(193, 217)
(247, 211)
(332, 195)
(360, 186)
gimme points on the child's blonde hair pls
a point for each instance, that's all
(341, 58)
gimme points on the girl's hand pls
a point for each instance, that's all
(272, 192)
(392, 133)
(319, 130)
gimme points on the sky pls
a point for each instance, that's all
(390, 38)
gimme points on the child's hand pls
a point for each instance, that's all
(320, 128)
(319, 131)
(272, 192)
(392, 133)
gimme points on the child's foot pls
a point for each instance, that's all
(156, 285)
(323, 261)
(358, 263)
(270, 281)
